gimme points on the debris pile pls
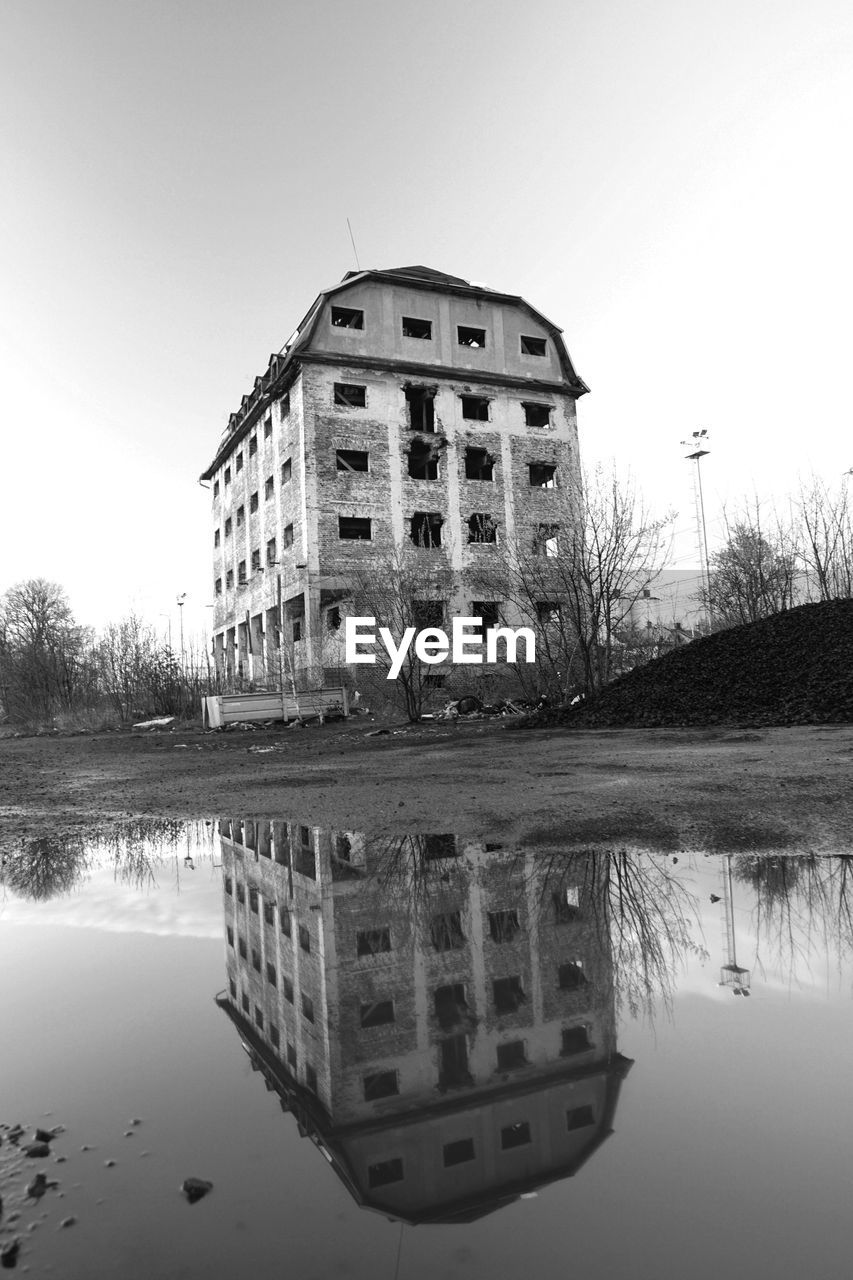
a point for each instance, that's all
(793, 668)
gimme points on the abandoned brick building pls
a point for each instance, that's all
(413, 418)
(439, 1015)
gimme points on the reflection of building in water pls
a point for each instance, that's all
(440, 1022)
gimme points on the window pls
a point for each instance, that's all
(453, 1059)
(267, 428)
(488, 611)
(286, 471)
(256, 559)
(259, 1018)
(475, 408)
(468, 337)
(284, 920)
(458, 1152)
(241, 893)
(546, 541)
(241, 573)
(351, 459)
(579, 1118)
(547, 613)
(575, 1040)
(287, 537)
(229, 886)
(446, 931)
(304, 938)
(511, 1055)
(271, 551)
(284, 405)
(271, 974)
(333, 618)
(229, 579)
(508, 994)
(421, 402)
(347, 318)
(384, 1172)
(479, 465)
(269, 913)
(450, 1004)
(503, 925)
(253, 503)
(229, 932)
(216, 489)
(296, 630)
(426, 529)
(372, 942)
(216, 537)
(256, 960)
(307, 1007)
(515, 1135)
(227, 476)
(428, 613)
(253, 445)
(413, 328)
(275, 1038)
(217, 587)
(482, 528)
(232, 987)
(287, 988)
(310, 1077)
(381, 1084)
(571, 975)
(241, 947)
(241, 516)
(354, 528)
(566, 907)
(531, 346)
(227, 526)
(423, 461)
(269, 488)
(291, 1055)
(435, 845)
(350, 396)
(245, 1003)
(536, 415)
(543, 475)
(377, 1014)
(239, 463)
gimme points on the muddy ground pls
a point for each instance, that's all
(716, 789)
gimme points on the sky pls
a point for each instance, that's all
(667, 180)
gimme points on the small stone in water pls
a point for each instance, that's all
(195, 1188)
(38, 1186)
(69, 1221)
(9, 1253)
(43, 1135)
(135, 1121)
(109, 1164)
(36, 1150)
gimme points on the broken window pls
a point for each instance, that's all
(384, 1172)
(305, 860)
(285, 920)
(429, 613)
(515, 1135)
(216, 488)
(256, 559)
(377, 1014)
(566, 907)
(259, 1018)
(241, 898)
(576, 1040)
(245, 1002)
(546, 540)
(253, 503)
(426, 528)
(241, 573)
(450, 1004)
(468, 337)
(291, 1054)
(547, 613)
(333, 618)
(284, 404)
(488, 611)
(372, 942)
(531, 346)
(217, 587)
(475, 408)
(227, 475)
(287, 536)
(274, 1035)
(482, 528)
(543, 475)
(227, 526)
(511, 1055)
(256, 960)
(503, 925)
(536, 415)
(479, 465)
(241, 942)
(347, 318)
(286, 471)
(267, 428)
(458, 1152)
(229, 579)
(241, 516)
(269, 488)
(453, 1068)
(216, 537)
(253, 445)
(307, 1007)
(296, 630)
(269, 911)
(349, 395)
(508, 994)
(423, 461)
(579, 1118)
(304, 938)
(271, 551)
(571, 975)
(354, 528)
(271, 974)
(287, 988)
(351, 459)
(446, 931)
(421, 402)
(239, 463)
(381, 1084)
(413, 328)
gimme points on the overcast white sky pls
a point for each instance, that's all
(669, 181)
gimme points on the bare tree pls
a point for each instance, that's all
(755, 573)
(44, 655)
(827, 538)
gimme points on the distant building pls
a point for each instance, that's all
(412, 415)
(439, 1016)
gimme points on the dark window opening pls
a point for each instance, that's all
(229, 579)
(275, 1037)
(413, 328)
(475, 408)
(239, 463)
(269, 911)
(458, 1152)
(216, 488)
(241, 573)
(575, 1040)
(245, 1002)
(333, 618)
(271, 551)
(347, 318)
(515, 1135)
(547, 613)
(305, 859)
(503, 925)
(287, 988)
(426, 528)
(479, 465)
(384, 1172)
(304, 938)
(307, 1007)
(271, 975)
(227, 526)
(511, 1055)
(269, 487)
(381, 1084)
(546, 541)
(450, 1005)
(571, 976)
(579, 1118)
(429, 613)
(352, 397)
(287, 537)
(377, 1014)
(232, 987)
(531, 346)
(256, 559)
(372, 942)
(230, 935)
(217, 587)
(291, 1055)
(423, 461)
(453, 1058)
(435, 846)
(253, 445)
(241, 516)
(284, 404)
(488, 611)
(566, 907)
(543, 475)
(536, 415)
(446, 931)
(351, 459)
(421, 402)
(310, 1077)
(285, 921)
(354, 528)
(286, 471)
(482, 528)
(256, 960)
(267, 428)
(508, 994)
(468, 337)
(227, 475)
(216, 537)
(253, 503)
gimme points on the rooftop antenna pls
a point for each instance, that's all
(355, 251)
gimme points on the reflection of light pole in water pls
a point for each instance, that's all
(731, 974)
(696, 444)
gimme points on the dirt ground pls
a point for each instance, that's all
(785, 789)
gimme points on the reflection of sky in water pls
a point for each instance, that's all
(731, 1147)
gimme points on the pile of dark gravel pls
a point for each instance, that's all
(794, 668)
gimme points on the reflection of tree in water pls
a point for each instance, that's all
(802, 902)
(48, 866)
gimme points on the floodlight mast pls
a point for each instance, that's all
(696, 444)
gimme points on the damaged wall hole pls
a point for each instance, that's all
(479, 464)
(414, 328)
(475, 408)
(333, 618)
(350, 396)
(421, 403)
(347, 318)
(425, 528)
(351, 459)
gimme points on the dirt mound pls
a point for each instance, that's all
(794, 668)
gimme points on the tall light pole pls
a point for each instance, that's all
(181, 598)
(696, 444)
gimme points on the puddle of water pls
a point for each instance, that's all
(517, 1059)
